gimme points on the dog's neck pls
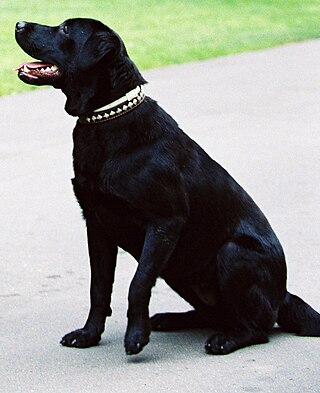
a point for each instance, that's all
(117, 108)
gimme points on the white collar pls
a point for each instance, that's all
(116, 108)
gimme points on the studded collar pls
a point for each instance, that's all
(116, 108)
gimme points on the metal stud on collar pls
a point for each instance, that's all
(117, 108)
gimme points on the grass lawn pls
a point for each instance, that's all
(162, 32)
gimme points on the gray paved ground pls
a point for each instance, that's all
(258, 115)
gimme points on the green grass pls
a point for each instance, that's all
(162, 32)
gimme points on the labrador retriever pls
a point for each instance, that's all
(145, 186)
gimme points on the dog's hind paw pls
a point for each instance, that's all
(168, 322)
(219, 344)
(222, 344)
(81, 338)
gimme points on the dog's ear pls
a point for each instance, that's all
(96, 47)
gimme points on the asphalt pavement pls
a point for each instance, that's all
(258, 115)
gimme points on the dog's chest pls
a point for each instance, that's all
(124, 224)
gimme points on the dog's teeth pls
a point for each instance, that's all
(54, 68)
(48, 69)
(25, 68)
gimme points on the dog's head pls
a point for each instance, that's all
(84, 58)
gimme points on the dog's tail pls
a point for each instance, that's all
(296, 316)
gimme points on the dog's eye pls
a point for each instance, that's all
(65, 29)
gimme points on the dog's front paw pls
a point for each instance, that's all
(136, 339)
(81, 338)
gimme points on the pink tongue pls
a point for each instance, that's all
(33, 65)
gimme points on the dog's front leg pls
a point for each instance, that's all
(103, 254)
(160, 241)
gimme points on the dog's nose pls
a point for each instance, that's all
(20, 26)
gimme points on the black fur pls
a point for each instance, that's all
(145, 186)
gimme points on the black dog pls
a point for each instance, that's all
(145, 186)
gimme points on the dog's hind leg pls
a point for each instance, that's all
(201, 317)
(248, 300)
(227, 342)
(171, 321)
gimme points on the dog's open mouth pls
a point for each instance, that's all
(38, 72)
